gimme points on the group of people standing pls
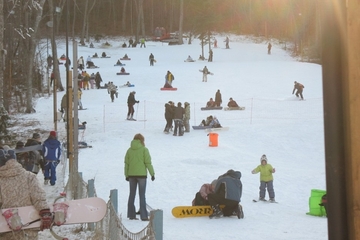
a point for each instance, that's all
(178, 115)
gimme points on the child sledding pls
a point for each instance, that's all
(122, 72)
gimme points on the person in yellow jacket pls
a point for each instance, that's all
(266, 179)
(86, 79)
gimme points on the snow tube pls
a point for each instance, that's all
(314, 203)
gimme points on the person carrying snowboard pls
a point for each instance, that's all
(266, 179)
(299, 89)
(131, 102)
(20, 188)
(228, 191)
(205, 72)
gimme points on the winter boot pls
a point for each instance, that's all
(217, 213)
(272, 200)
(262, 199)
(239, 212)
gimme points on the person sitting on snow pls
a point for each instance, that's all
(201, 57)
(125, 56)
(189, 59)
(127, 84)
(215, 123)
(232, 103)
(95, 55)
(207, 121)
(210, 103)
(122, 70)
(118, 62)
(103, 54)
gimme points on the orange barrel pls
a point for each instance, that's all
(213, 139)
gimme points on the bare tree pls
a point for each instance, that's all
(181, 22)
(123, 22)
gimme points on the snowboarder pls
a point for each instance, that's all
(299, 89)
(210, 56)
(131, 102)
(112, 90)
(187, 117)
(137, 164)
(201, 197)
(228, 191)
(151, 59)
(227, 42)
(218, 99)
(269, 48)
(232, 103)
(210, 103)
(266, 179)
(20, 188)
(52, 152)
(205, 72)
(81, 63)
(142, 43)
(178, 119)
(169, 78)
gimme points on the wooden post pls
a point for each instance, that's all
(157, 223)
(114, 199)
(91, 193)
(352, 119)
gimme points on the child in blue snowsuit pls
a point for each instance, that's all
(52, 151)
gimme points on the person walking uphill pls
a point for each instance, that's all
(20, 188)
(131, 102)
(52, 152)
(137, 164)
(266, 179)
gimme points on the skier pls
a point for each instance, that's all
(299, 89)
(205, 72)
(227, 42)
(178, 119)
(52, 152)
(266, 179)
(232, 103)
(151, 59)
(218, 99)
(131, 102)
(137, 164)
(269, 48)
(20, 188)
(201, 197)
(228, 191)
(169, 78)
(187, 117)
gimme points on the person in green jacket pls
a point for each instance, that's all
(266, 179)
(137, 163)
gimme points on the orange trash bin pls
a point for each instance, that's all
(213, 139)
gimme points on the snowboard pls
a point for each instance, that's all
(85, 210)
(168, 89)
(189, 61)
(92, 67)
(208, 127)
(123, 86)
(120, 73)
(211, 108)
(216, 129)
(125, 58)
(106, 57)
(234, 108)
(28, 149)
(120, 64)
(266, 201)
(192, 211)
(208, 73)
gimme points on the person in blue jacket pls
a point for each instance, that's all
(52, 151)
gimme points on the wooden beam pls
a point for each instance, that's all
(352, 118)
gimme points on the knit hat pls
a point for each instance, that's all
(6, 155)
(36, 136)
(53, 133)
(263, 158)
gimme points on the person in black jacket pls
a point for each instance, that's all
(169, 115)
(36, 140)
(131, 102)
(178, 119)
